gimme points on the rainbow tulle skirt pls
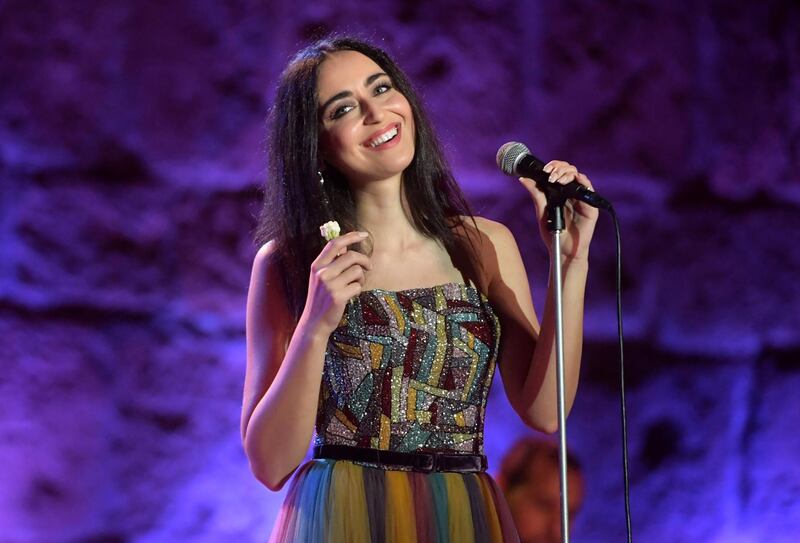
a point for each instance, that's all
(338, 501)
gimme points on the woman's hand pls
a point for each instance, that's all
(579, 217)
(336, 276)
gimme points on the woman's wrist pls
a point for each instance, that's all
(572, 260)
(312, 332)
(575, 261)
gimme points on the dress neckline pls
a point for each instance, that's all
(432, 287)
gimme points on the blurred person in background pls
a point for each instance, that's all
(530, 480)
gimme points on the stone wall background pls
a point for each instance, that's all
(131, 155)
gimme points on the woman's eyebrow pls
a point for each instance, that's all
(372, 78)
(345, 94)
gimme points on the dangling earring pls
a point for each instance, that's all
(325, 203)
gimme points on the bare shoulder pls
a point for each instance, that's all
(492, 243)
(264, 256)
(497, 232)
(486, 229)
(266, 283)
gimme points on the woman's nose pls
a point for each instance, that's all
(373, 112)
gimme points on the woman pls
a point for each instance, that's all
(386, 337)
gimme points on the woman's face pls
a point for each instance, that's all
(366, 126)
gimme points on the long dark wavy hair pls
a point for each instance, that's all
(296, 203)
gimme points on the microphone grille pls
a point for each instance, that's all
(508, 155)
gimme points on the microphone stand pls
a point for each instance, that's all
(555, 223)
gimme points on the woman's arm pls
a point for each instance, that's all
(282, 381)
(528, 350)
(284, 365)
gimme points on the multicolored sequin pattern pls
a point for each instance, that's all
(410, 370)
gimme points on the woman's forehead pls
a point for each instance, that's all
(344, 70)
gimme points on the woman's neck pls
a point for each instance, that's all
(382, 210)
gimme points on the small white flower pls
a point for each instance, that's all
(329, 230)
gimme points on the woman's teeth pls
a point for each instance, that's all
(383, 138)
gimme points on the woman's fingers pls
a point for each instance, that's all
(337, 275)
(337, 267)
(559, 172)
(338, 246)
(347, 260)
(538, 196)
(353, 274)
(583, 180)
(555, 165)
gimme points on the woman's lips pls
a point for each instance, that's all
(386, 144)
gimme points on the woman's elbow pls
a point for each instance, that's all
(544, 426)
(266, 470)
(269, 478)
(270, 473)
(550, 427)
(540, 423)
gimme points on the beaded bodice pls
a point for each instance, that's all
(410, 370)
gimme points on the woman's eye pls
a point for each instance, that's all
(383, 87)
(339, 111)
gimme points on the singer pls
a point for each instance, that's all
(381, 343)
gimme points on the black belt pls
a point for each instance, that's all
(417, 461)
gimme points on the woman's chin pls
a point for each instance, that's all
(387, 171)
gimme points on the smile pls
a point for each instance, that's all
(383, 138)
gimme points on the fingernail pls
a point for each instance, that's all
(363, 234)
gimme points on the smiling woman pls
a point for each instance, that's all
(367, 127)
(383, 341)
